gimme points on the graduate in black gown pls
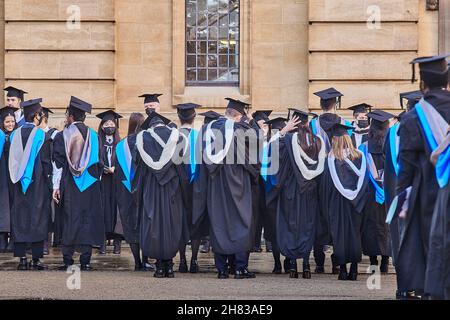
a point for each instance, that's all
(30, 169)
(158, 193)
(51, 132)
(417, 177)
(198, 199)
(76, 186)
(343, 193)
(269, 216)
(108, 132)
(7, 126)
(375, 231)
(360, 123)
(330, 101)
(126, 202)
(187, 172)
(391, 167)
(228, 193)
(258, 123)
(302, 159)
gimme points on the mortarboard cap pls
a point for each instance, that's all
(152, 97)
(80, 105)
(329, 94)
(361, 108)
(277, 123)
(31, 106)
(380, 115)
(186, 111)
(14, 92)
(261, 115)
(433, 69)
(46, 112)
(154, 118)
(302, 115)
(339, 129)
(241, 107)
(109, 115)
(210, 116)
(412, 97)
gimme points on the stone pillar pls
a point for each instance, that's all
(444, 27)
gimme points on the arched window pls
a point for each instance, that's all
(212, 42)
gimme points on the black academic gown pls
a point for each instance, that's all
(29, 212)
(160, 202)
(418, 172)
(229, 201)
(5, 213)
(108, 191)
(82, 215)
(297, 205)
(126, 202)
(344, 216)
(376, 239)
(437, 279)
(390, 184)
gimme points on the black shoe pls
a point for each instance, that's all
(319, 269)
(86, 267)
(194, 267)
(138, 267)
(148, 266)
(23, 265)
(222, 275)
(256, 250)
(117, 247)
(306, 272)
(277, 268)
(38, 266)
(244, 274)
(63, 267)
(183, 268)
(293, 274)
(205, 248)
(408, 295)
(269, 246)
(343, 275)
(352, 276)
(102, 249)
(159, 273)
(169, 270)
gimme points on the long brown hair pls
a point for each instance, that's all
(304, 135)
(135, 123)
(343, 144)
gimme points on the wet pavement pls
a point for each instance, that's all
(114, 278)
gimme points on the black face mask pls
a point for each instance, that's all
(109, 131)
(363, 123)
(149, 111)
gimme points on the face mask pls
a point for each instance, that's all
(149, 111)
(363, 123)
(109, 131)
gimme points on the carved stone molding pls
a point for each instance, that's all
(433, 5)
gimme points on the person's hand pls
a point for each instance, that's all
(112, 169)
(56, 196)
(291, 125)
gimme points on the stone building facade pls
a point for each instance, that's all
(108, 52)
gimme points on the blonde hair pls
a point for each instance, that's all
(342, 148)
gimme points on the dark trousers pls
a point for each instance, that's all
(68, 252)
(240, 261)
(37, 249)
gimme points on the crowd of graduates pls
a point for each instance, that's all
(374, 186)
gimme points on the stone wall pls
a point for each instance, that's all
(289, 49)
